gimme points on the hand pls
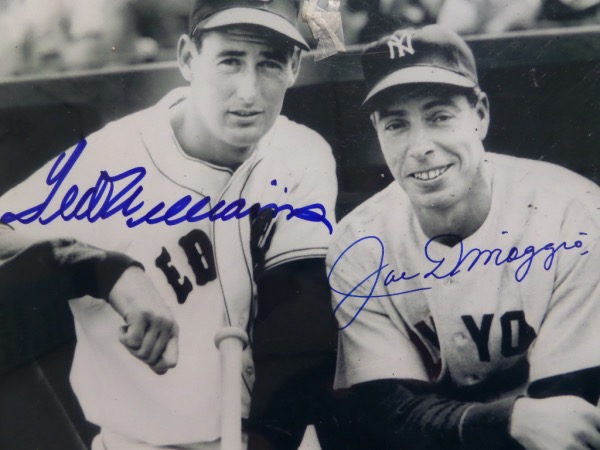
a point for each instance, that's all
(150, 333)
(556, 423)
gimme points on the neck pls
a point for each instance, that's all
(197, 141)
(461, 219)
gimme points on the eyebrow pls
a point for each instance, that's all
(279, 56)
(384, 114)
(230, 53)
(440, 102)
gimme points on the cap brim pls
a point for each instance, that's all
(254, 16)
(420, 74)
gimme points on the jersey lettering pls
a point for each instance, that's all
(262, 228)
(430, 333)
(514, 341)
(525, 333)
(199, 251)
(480, 335)
(200, 255)
(182, 289)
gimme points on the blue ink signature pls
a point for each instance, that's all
(104, 200)
(442, 268)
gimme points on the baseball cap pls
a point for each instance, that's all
(432, 54)
(280, 16)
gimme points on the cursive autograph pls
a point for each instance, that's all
(105, 199)
(370, 283)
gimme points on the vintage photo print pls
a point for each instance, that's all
(299, 224)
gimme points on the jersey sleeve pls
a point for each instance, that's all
(308, 177)
(63, 266)
(568, 336)
(58, 250)
(371, 345)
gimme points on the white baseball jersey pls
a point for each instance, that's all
(203, 268)
(508, 305)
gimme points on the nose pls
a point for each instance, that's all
(419, 143)
(248, 88)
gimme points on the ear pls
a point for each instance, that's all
(295, 61)
(186, 52)
(482, 108)
(373, 120)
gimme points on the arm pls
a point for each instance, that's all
(65, 269)
(294, 352)
(409, 413)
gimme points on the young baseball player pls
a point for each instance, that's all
(172, 187)
(467, 291)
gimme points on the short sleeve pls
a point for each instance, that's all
(371, 345)
(308, 177)
(569, 334)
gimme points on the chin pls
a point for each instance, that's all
(247, 135)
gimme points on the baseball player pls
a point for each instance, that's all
(467, 291)
(171, 187)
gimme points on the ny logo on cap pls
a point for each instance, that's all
(400, 44)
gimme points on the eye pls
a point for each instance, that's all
(395, 125)
(440, 117)
(230, 62)
(272, 64)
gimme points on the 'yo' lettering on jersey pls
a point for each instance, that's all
(373, 282)
(120, 194)
(516, 335)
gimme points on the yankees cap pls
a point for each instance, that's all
(280, 16)
(432, 54)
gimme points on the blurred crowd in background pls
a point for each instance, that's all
(49, 36)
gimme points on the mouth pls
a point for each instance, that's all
(246, 113)
(430, 175)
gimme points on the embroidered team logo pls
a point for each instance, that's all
(400, 45)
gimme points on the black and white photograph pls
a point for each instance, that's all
(299, 225)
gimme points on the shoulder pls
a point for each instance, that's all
(297, 142)
(545, 179)
(130, 134)
(372, 217)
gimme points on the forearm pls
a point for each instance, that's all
(583, 383)
(402, 414)
(61, 266)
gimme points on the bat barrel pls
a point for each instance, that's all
(231, 342)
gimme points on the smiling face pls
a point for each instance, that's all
(238, 80)
(431, 141)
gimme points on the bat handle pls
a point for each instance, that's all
(231, 342)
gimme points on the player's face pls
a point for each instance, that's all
(432, 143)
(238, 81)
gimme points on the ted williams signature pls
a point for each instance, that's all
(441, 268)
(105, 199)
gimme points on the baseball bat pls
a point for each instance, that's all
(231, 342)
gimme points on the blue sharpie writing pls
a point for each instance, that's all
(104, 200)
(382, 275)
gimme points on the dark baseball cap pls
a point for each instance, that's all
(280, 16)
(432, 54)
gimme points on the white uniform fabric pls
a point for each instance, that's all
(476, 325)
(117, 391)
